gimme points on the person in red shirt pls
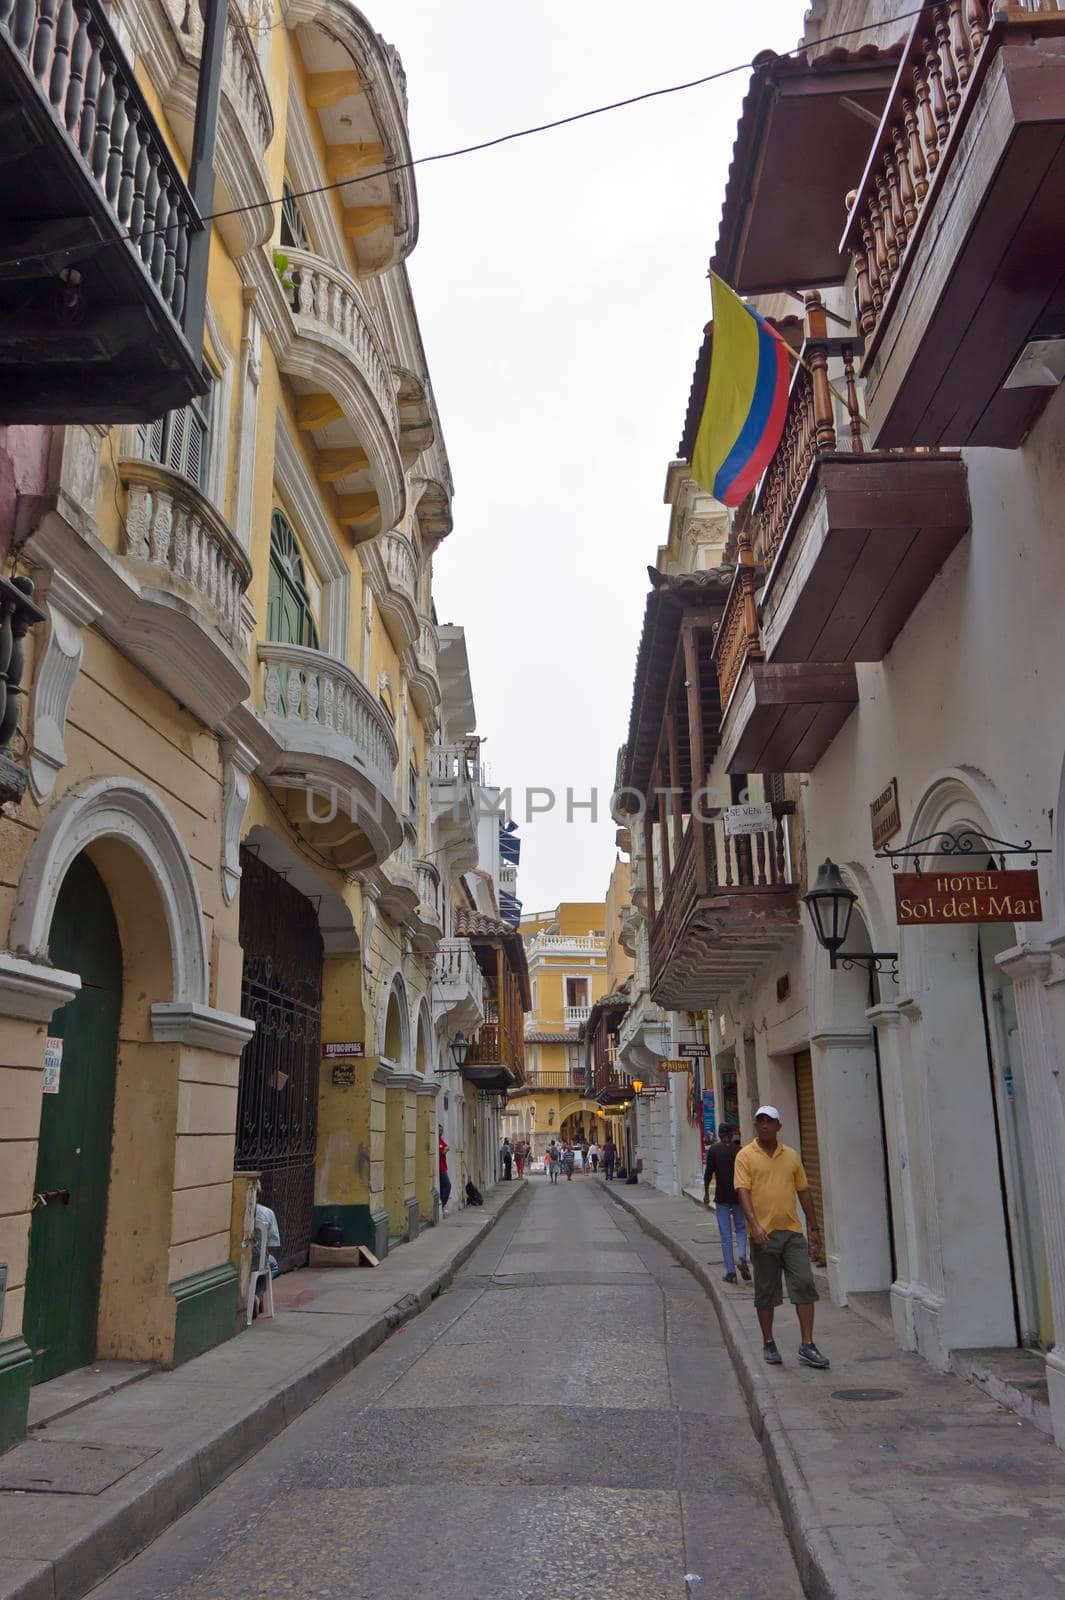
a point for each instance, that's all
(445, 1181)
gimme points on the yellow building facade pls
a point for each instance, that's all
(221, 899)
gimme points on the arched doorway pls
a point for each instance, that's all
(74, 1148)
(396, 1052)
(277, 1103)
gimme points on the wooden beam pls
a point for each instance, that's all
(315, 410)
(358, 508)
(361, 220)
(690, 643)
(335, 464)
(329, 88)
(649, 859)
(349, 160)
(675, 806)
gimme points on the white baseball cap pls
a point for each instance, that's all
(768, 1111)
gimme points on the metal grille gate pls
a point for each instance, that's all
(277, 1105)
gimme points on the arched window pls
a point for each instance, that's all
(289, 613)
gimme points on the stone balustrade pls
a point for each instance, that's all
(329, 300)
(308, 686)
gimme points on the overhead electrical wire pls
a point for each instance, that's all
(81, 253)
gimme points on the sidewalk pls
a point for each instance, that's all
(103, 1481)
(894, 1482)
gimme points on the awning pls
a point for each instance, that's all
(804, 136)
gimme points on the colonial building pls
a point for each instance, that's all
(871, 677)
(238, 848)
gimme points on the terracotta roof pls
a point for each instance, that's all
(550, 1038)
(471, 924)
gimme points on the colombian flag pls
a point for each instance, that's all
(746, 400)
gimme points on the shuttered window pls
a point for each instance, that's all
(289, 616)
(182, 439)
(808, 1146)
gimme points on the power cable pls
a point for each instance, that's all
(80, 252)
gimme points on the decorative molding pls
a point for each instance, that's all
(127, 810)
(69, 611)
(429, 1089)
(240, 762)
(304, 500)
(205, 1028)
(32, 990)
(306, 174)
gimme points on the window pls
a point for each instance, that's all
(412, 789)
(294, 235)
(182, 439)
(289, 612)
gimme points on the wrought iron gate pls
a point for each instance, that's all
(277, 1106)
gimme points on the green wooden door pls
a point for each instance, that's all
(74, 1153)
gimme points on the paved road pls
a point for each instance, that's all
(563, 1421)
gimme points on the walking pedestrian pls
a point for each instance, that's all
(568, 1161)
(552, 1160)
(610, 1156)
(445, 1181)
(769, 1177)
(593, 1156)
(506, 1156)
(720, 1167)
(519, 1158)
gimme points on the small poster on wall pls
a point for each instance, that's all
(709, 1120)
(53, 1064)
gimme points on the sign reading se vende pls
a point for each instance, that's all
(933, 897)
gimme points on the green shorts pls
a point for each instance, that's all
(785, 1255)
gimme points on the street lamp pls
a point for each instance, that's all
(830, 904)
(460, 1049)
(637, 1084)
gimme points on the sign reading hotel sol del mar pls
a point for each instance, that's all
(960, 896)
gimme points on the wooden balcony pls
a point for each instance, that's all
(849, 539)
(102, 264)
(957, 228)
(725, 909)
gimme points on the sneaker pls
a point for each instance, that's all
(811, 1356)
(730, 1277)
(772, 1354)
(745, 1271)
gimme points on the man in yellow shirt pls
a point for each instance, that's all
(769, 1178)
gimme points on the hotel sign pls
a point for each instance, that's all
(884, 817)
(940, 897)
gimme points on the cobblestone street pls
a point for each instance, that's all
(564, 1418)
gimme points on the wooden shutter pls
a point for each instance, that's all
(808, 1146)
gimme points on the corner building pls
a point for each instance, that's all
(227, 861)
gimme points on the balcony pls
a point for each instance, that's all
(726, 908)
(458, 985)
(392, 565)
(396, 882)
(345, 395)
(564, 944)
(559, 1079)
(245, 115)
(102, 272)
(331, 755)
(453, 803)
(957, 230)
(575, 1015)
(421, 670)
(428, 919)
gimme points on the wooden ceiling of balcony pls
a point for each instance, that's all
(694, 600)
(802, 143)
(726, 942)
(783, 718)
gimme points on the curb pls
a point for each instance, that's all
(822, 1573)
(131, 1527)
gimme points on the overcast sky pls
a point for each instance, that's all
(560, 283)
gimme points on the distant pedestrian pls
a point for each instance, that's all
(593, 1155)
(445, 1181)
(769, 1177)
(519, 1158)
(720, 1168)
(610, 1156)
(506, 1156)
(552, 1161)
(568, 1162)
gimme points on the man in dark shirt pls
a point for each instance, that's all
(721, 1165)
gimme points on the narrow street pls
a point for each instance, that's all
(563, 1420)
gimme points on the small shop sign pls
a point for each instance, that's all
(649, 1090)
(943, 897)
(53, 1065)
(884, 816)
(694, 1051)
(675, 1066)
(352, 1047)
(747, 819)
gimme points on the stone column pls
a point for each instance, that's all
(1039, 992)
(888, 1022)
(426, 1166)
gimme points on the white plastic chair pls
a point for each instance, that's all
(260, 1263)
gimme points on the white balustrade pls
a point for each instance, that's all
(303, 685)
(328, 299)
(172, 527)
(243, 80)
(401, 565)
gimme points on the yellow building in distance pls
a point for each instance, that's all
(567, 954)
